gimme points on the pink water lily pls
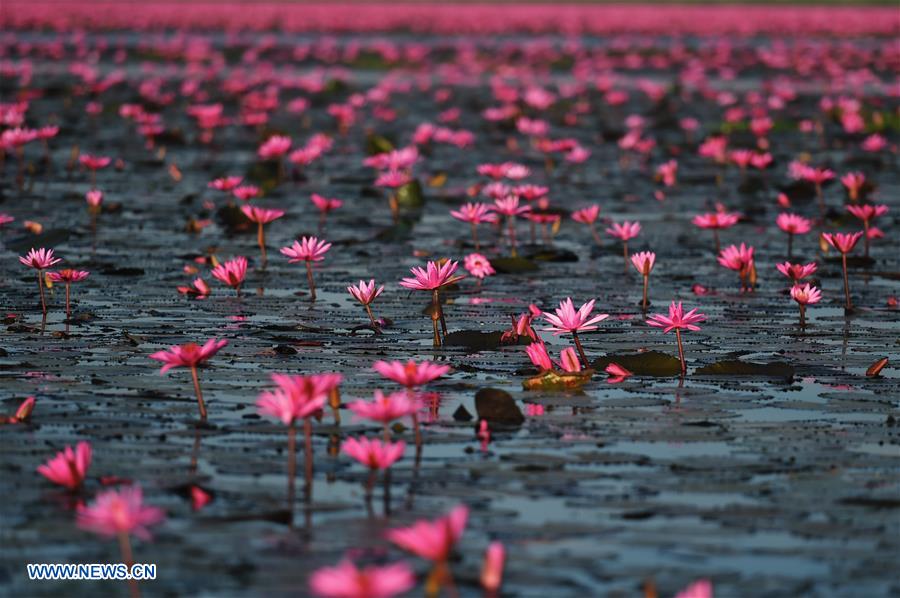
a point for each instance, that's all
(567, 319)
(677, 320)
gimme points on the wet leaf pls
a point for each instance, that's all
(734, 367)
(554, 380)
(376, 144)
(650, 363)
(473, 340)
(513, 265)
(410, 195)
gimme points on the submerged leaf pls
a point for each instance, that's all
(650, 363)
(735, 367)
(553, 380)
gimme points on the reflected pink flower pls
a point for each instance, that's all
(478, 266)
(232, 272)
(797, 272)
(69, 467)
(347, 581)
(373, 454)
(677, 320)
(492, 568)
(617, 373)
(119, 512)
(432, 540)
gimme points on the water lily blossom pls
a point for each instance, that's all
(567, 319)
(347, 581)
(643, 263)
(492, 568)
(261, 216)
(231, 273)
(69, 466)
(805, 295)
(190, 356)
(68, 276)
(119, 514)
(478, 266)
(677, 320)
(366, 293)
(385, 408)
(433, 278)
(617, 373)
(475, 214)
(374, 454)
(740, 259)
(793, 224)
(589, 216)
(716, 221)
(40, 260)
(433, 541)
(797, 272)
(307, 250)
(867, 213)
(844, 243)
(624, 231)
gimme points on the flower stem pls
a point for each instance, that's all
(802, 316)
(308, 456)
(40, 278)
(475, 236)
(261, 239)
(646, 285)
(848, 305)
(716, 239)
(625, 254)
(312, 284)
(596, 235)
(371, 317)
(578, 346)
(292, 465)
(68, 310)
(125, 549)
(199, 394)
(680, 352)
(790, 244)
(436, 299)
(866, 236)
(511, 221)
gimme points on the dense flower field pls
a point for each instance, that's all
(368, 300)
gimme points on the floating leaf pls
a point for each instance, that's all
(376, 144)
(650, 363)
(473, 340)
(735, 367)
(410, 195)
(513, 265)
(554, 380)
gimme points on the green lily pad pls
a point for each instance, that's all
(473, 340)
(513, 265)
(377, 144)
(410, 195)
(498, 407)
(554, 380)
(650, 363)
(734, 367)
